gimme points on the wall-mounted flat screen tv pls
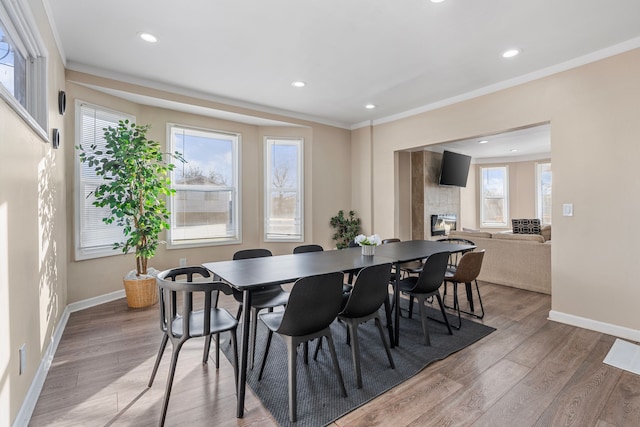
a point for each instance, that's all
(454, 169)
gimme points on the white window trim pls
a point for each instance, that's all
(300, 142)
(538, 193)
(21, 26)
(96, 252)
(505, 197)
(238, 175)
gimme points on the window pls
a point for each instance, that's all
(283, 219)
(23, 67)
(94, 238)
(494, 194)
(205, 209)
(543, 192)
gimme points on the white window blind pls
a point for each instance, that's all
(94, 238)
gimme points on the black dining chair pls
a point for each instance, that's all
(307, 248)
(267, 297)
(370, 292)
(180, 322)
(426, 285)
(466, 272)
(314, 303)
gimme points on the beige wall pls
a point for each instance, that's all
(32, 238)
(594, 141)
(327, 160)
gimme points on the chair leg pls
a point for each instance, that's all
(456, 304)
(266, 353)
(384, 343)
(410, 306)
(318, 347)
(292, 354)
(252, 338)
(172, 372)
(336, 365)
(444, 314)
(217, 351)
(423, 317)
(355, 351)
(163, 345)
(234, 343)
(480, 301)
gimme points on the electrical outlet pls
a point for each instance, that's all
(23, 358)
(183, 262)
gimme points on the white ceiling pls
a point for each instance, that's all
(404, 56)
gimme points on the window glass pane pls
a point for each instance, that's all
(204, 208)
(13, 71)
(94, 238)
(543, 187)
(283, 180)
(494, 194)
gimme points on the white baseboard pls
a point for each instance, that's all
(30, 400)
(595, 325)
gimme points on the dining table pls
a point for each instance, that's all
(248, 274)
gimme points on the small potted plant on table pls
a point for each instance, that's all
(135, 184)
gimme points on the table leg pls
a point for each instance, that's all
(396, 300)
(244, 347)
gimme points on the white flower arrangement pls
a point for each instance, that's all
(373, 240)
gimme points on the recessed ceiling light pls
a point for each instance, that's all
(437, 1)
(514, 150)
(298, 83)
(510, 53)
(150, 38)
(370, 106)
(484, 141)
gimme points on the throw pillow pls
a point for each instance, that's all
(526, 226)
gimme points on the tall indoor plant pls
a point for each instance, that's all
(136, 182)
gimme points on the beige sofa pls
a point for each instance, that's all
(518, 260)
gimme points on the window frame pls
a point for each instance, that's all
(539, 195)
(237, 189)
(269, 141)
(84, 253)
(18, 22)
(505, 197)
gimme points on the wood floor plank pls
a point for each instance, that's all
(583, 398)
(623, 406)
(528, 399)
(474, 400)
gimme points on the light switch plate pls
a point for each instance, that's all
(567, 209)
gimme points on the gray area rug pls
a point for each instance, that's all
(320, 401)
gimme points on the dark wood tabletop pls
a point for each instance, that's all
(276, 270)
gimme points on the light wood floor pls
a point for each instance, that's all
(530, 372)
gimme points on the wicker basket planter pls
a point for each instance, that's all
(141, 292)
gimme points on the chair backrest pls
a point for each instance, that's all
(251, 253)
(369, 291)
(454, 258)
(469, 267)
(314, 302)
(171, 290)
(392, 240)
(432, 274)
(307, 248)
